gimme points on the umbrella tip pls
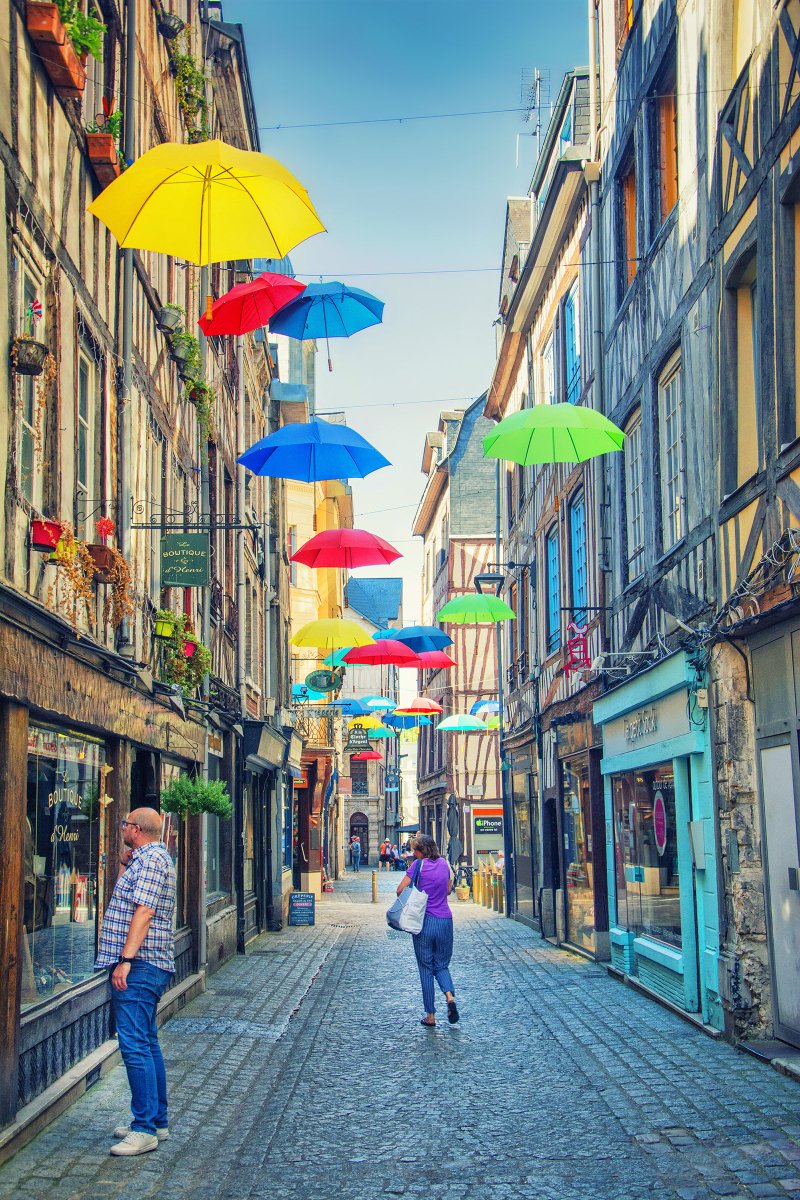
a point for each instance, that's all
(209, 307)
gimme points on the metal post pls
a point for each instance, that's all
(124, 639)
(374, 887)
(508, 840)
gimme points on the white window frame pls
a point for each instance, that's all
(86, 424)
(634, 497)
(549, 371)
(672, 429)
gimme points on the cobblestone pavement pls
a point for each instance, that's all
(303, 1073)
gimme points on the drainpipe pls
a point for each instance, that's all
(241, 600)
(124, 639)
(508, 840)
(592, 79)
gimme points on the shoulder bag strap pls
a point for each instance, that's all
(415, 878)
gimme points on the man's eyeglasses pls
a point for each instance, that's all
(123, 823)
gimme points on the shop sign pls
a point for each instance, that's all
(660, 823)
(650, 724)
(185, 560)
(357, 739)
(301, 780)
(301, 908)
(489, 826)
(215, 744)
(345, 785)
(577, 649)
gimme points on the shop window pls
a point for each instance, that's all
(247, 838)
(288, 827)
(553, 591)
(31, 433)
(578, 558)
(634, 497)
(172, 836)
(578, 863)
(64, 861)
(672, 453)
(646, 854)
(628, 230)
(572, 346)
(741, 399)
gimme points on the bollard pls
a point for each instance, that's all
(374, 887)
(501, 894)
(476, 887)
(495, 890)
(487, 903)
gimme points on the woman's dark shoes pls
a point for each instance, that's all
(452, 1012)
(429, 1024)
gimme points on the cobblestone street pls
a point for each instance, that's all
(303, 1072)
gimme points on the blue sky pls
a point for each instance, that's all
(415, 196)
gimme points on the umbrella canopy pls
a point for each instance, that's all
(327, 310)
(476, 610)
(247, 306)
(424, 637)
(493, 721)
(368, 721)
(484, 706)
(378, 703)
(367, 756)
(422, 704)
(304, 694)
(350, 706)
(431, 660)
(207, 202)
(461, 723)
(347, 548)
(396, 721)
(388, 651)
(314, 450)
(380, 634)
(336, 658)
(381, 733)
(551, 433)
(330, 633)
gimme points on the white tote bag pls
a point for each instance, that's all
(408, 911)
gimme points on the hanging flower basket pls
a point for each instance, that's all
(170, 25)
(65, 551)
(54, 47)
(45, 535)
(189, 648)
(103, 157)
(103, 558)
(169, 318)
(28, 356)
(164, 625)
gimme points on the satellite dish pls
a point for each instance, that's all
(323, 681)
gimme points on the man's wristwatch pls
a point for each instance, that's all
(123, 959)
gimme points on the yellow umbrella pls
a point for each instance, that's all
(370, 722)
(207, 202)
(330, 633)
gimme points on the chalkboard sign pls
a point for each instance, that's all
(301, 908)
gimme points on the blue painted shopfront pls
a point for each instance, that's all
(661, 835)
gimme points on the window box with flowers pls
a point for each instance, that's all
(102, 142)
(184, 661)
(63, 35)
(45, 535)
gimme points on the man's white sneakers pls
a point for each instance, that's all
(135, 1143)
(122, 1131)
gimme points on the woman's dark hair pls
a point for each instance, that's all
(426, 846)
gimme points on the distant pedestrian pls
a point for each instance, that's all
(397, 859)
(355, 846)
(384, 857)
(136, 942)
(433, 946)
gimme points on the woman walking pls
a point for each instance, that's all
(433, 946)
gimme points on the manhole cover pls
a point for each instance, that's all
(225, 1027)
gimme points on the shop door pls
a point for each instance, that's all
(359, 825)
(778, 772)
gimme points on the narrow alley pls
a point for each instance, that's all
(303, 1072)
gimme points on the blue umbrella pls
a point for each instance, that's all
(313, 451)
(484, 706)
(382, 634)
(326, 310)
(350, 706)
(398, 721)
(423, 637)
(302, 692)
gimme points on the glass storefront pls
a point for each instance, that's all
(524, 880)
(578, 864)
(171, 837)
(646, 853)
(248, 836)
(63, 857)
(288, 822)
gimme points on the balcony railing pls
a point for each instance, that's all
(315, 727)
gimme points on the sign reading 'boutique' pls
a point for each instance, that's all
(184, 560)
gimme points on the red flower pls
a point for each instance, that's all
(105, 528)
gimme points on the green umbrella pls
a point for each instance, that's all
(336, 658)
(461, 723)
(476, 610)
(551, 433)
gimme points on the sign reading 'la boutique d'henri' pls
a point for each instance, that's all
(185, 560)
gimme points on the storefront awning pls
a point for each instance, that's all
(264, 747)
(295, 754)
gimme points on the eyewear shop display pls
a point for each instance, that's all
(62, 866)
(646, 854)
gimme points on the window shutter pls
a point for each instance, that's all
(667, 153)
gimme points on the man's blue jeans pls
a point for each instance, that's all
(135, 1018)
(356, 862)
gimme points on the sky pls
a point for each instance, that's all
(414, 209)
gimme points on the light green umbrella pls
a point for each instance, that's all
(551, 433)
(461, 723)
(381, 733)
(476, 610)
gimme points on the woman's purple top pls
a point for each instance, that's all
(435, 880)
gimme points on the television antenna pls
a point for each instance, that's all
(534, 95)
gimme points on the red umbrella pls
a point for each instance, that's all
(250, 305)
(366, 756)
(421, 705)
(387, 651)
(345, 548)
(431, 659)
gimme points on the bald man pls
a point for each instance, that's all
(137, 946)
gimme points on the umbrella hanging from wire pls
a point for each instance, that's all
(387, 652)
(461, 723)
(398, 721)
(420, 705)
(327, 310)
(476, 609)
(248, 306)
(433, 660)
(551, 433)
(330, 633)
(424, 637)
(313, 451)
(348, 548)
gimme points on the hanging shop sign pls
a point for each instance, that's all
(301, 908)
(493, 826)
(185, 560)
(324, 681)
(357, 739)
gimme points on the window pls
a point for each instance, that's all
(548, 372)
(578, 558)
(64, 871)
(85, 444)
(248, 637)
(673, 455)
(553, 591)
(572, 346)
(358, 774)
(31, 425)
(292, 549)
(741, 422)
(666, 134)
(634, 490)
(629, 245)
(646, 854)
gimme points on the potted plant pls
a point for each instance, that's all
(170, 317)
(73, 590)
(169, 25)
(201, 395)
(102, 142)
(190, 87)
(164, 624)
(119, 590)
(63, 35)
(462, 891)
(189, 795)
(186, 671)
(101, 553)
(45, 535)
(28, 357)
(185, 349)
